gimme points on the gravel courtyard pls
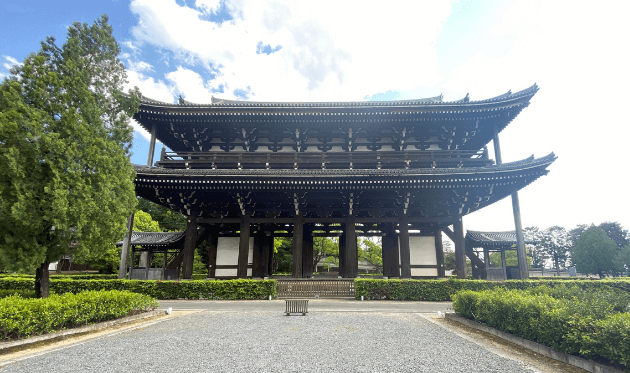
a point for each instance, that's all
(265, 340)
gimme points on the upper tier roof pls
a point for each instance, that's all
(462, 124)
(429, 101)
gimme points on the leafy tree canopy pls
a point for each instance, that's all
(170, 221)
(65, 177)
(594, 252)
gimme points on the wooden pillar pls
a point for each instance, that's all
(460, 248)
(307, 256)
(486, 261)
(298, 245)
(405, 254)
(257, 270)
(521, 254)
(151, 147)
(439, 254)
(243, 247)
(523, 270)
(503, 264)
(271, 244)
(213, 242)
(342, 252)
(124, 254)
(190, 242)
(391, 256)
(267, 245)
(351, 260)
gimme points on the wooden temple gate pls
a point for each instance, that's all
(246, 172)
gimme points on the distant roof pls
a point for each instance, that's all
(436, 100)
(499, 239)
(155, 239)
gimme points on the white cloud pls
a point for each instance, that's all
(330, 50)
(10, 62)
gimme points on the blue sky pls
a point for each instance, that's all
(326, 50)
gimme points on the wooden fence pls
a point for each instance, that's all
(316, 289)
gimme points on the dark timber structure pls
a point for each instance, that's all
(244, 172)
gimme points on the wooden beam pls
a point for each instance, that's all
(243, 247)
(460, 249)
(298, 245)
(190, 242)
(405, 253)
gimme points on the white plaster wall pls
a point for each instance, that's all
(422, 250)
(424, 272)
(227, 254)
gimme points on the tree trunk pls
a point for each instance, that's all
(42, 281)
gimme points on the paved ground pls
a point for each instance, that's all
(255, 336)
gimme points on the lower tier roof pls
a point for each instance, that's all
(426, 194)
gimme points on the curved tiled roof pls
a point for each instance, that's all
(429, 101)
(480, 239)
(155, 238)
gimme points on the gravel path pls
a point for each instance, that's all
(268, 341)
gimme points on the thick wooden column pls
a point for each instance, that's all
(307, 256)
(460, 248)
(521, 254)
(124, 254)
(257, 270)
(391, 256)
(190, 242)
(267, 245)
(405, 253)
(351, 260)
(342, 252)
(271, 244)
(298, 245)
(523, 270)
(213, 242)
(243, 247)
(151, 147)
(439, 254)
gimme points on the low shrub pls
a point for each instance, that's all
(21, 317)
(593, 323)
(443, 290)
(217, 289)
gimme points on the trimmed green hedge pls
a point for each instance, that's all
(593, 323)
(443, 290)
(217, 289)
(21, 317)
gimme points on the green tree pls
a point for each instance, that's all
(324, 247)
(624, 258)
(170, 221)
(616, 233)
(65, 176)
(594, 252)
(108, 260)
(371, 251)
